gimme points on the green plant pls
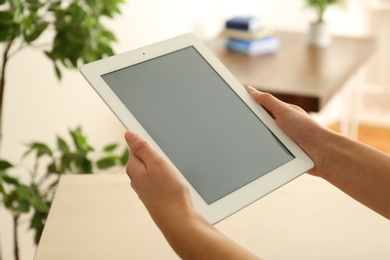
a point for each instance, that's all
(320, 6)
(79, 35)
(74, 34)
(36, 195)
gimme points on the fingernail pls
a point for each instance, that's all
(251, 89)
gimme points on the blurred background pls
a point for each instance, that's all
(38, 107)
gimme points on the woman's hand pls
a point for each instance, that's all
(298, 125)
(158, 183)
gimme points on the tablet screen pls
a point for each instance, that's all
(199, 122)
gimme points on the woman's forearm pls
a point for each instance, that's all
(192, 237)
(358, 170)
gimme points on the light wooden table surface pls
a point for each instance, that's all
(100, 217)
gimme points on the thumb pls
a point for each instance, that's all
(270, 103)
(139, 146)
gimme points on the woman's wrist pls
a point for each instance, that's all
(338, 154)
(170, 215)
(326, 152)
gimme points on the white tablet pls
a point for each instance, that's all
(183, 100)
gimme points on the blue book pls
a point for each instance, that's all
(265, 45)
(244, 23)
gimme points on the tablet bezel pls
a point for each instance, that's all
(237, 199)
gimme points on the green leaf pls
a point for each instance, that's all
(10, 180)
(36, 220)
(37, 223)
(83, 164)
(58, 71)
(8, 28)
(62, 145)
(41, 149)
(125, 157)
(39, 204)
(8, 201)
(23, 207)
(52, 168)
(35, 31)
(4, 165)
(23, 192)
(16, 202)
(110, 147)
(18, 17)
(33, 2)
(110, 7)
(66, 161)
(55, 6)
(77, 13)
(80, 140)
(2, 190)
(107, 162)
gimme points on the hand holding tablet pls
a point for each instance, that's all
(194, 112)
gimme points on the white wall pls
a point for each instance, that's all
(38, 107)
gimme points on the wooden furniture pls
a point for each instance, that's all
(100, 217)
(297, 73)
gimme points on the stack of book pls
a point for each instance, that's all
(247, 35)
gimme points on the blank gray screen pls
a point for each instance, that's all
(205, 129)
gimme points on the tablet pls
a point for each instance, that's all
(182, 99)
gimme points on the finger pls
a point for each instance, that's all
(270, 103)
(139, 147)
(135, 166)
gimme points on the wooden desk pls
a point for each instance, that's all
(299, 74)
(100, 217)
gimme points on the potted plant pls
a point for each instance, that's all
(79, 36)
(319, 33)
